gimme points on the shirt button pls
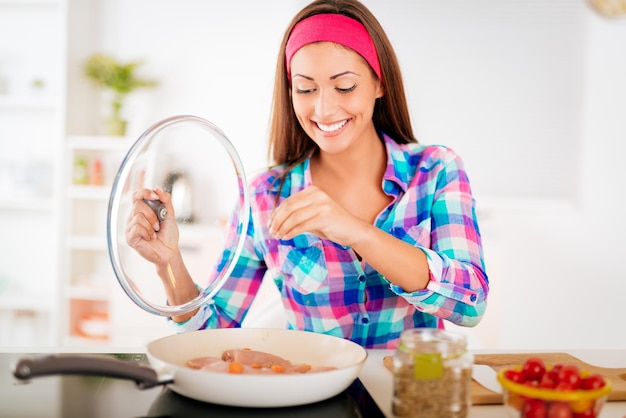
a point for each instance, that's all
(473, 298)
(365, 320)
(361, 278)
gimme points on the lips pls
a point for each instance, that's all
(331, 127)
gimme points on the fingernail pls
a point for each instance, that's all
(154, 196)
(156, 226)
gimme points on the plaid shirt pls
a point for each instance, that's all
(325, 288)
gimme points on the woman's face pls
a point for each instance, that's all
(333, 93)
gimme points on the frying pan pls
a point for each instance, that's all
(168, 357)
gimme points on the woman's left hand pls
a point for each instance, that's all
(312, 210)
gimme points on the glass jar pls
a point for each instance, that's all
(432, 374)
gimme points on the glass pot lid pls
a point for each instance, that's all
(194, 162)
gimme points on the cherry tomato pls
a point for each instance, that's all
(564, 387)
(559, 410)
(592, 382)
(548, 380)
(554, 374)
(515, 376)
(535, 408)
(589, 413)
(569, 377)
(532, 383)
(533, 368)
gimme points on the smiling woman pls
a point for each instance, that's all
(364, 231)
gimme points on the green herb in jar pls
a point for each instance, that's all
(432, 375)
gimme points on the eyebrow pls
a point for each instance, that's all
(334, 77)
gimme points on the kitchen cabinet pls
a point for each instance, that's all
(95, 308)
(90, 168)
(32, 115)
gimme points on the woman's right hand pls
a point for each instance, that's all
(153, 240)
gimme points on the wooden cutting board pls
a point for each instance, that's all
(483, 396)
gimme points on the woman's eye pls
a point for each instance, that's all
(346, 90)
(300, 90)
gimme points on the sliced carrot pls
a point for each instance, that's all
(277, 368)
(256, 366)
(235, 367)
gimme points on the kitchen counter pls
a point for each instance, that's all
(378, 381)
(375, 377)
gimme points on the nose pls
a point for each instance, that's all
(326, 103)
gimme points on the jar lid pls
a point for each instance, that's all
(433, 340)
(193, 160)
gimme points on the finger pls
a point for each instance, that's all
(146, 194)
(138, 199)
(292, 204)
(162, 195)
(140, 227)
(146, 197)
(135, 236)
(305, 219)
(165, 198)
(142, 211)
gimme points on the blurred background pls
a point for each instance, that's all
(532, 94)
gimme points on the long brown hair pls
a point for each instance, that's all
(288, 143)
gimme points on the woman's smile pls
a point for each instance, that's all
(332, 128)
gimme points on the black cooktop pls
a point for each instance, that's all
(104, 397)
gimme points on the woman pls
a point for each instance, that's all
(365, 232)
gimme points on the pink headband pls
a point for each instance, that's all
(335, 28)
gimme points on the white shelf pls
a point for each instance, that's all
(95, 293)
(25, 302)
(99, 142)
(91, 243)
(30, 203)
(89, 192)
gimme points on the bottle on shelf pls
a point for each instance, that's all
(95, 174)
(81, 173)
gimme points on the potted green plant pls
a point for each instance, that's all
(106, 71)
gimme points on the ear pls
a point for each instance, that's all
(380, 89)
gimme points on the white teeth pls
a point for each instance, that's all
(333, 127)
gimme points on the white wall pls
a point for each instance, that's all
(532, 94)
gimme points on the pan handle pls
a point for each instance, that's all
(90, 365)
